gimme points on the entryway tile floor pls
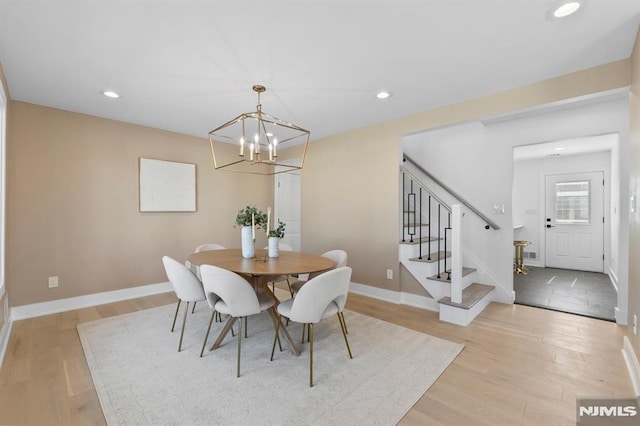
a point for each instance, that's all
(589, 294)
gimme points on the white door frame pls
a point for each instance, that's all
(297, 245)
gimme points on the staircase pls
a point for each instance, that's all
(431, 248)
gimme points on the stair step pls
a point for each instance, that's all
(420, 240)
(470, 296)
(432, 258)
(443, 275)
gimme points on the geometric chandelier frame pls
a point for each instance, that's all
(259, 139)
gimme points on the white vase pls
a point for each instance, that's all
(274, 242)
(248, 248)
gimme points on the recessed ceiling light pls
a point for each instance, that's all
(383, 95)
(566, 9)
(560, 148)
(110, 94)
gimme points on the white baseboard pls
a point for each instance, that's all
(620, 315)
(397, 297)
(63, 305)
(4, 340)
(633, 366)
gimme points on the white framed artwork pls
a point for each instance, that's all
(167, 186)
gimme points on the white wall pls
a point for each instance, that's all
(476, 161)
(529, 197)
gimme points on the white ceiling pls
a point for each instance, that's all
(188, 66)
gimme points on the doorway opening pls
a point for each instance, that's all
(287, 206)
(561, 194)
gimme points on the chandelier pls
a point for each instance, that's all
(258, 143)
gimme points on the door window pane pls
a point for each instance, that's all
(572, 202)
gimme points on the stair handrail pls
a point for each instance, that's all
(424, 188)
(489, 222)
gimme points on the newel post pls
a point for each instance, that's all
(456, 253)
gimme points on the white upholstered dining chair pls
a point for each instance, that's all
(320, 298)
(229, 293)
(202, 247)
(339, 257)
(209, 246)
(187, 287)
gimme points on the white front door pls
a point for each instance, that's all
(287, 206)
(574, 222)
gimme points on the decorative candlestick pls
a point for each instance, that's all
(268, 220)
(253, 227)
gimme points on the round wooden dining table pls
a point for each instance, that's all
(259, 270)
(287, 263)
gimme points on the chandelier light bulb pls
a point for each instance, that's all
(256, 144)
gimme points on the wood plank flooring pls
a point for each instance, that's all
(520, 365)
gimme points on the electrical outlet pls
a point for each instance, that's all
(635, 324)
(389, 274)
(53, 282)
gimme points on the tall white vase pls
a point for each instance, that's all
(248, 248)
(274, 249)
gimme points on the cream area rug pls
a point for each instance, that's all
(141, 379)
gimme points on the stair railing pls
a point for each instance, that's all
(414, 211)
(489, 222)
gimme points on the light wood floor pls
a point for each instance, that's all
(520, 365)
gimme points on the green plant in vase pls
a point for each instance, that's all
(249, 216)
(275, 235)
(277, 232)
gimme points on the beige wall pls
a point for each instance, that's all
(72, 197)
(634, 175)
(73, 201)
(350, 189)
